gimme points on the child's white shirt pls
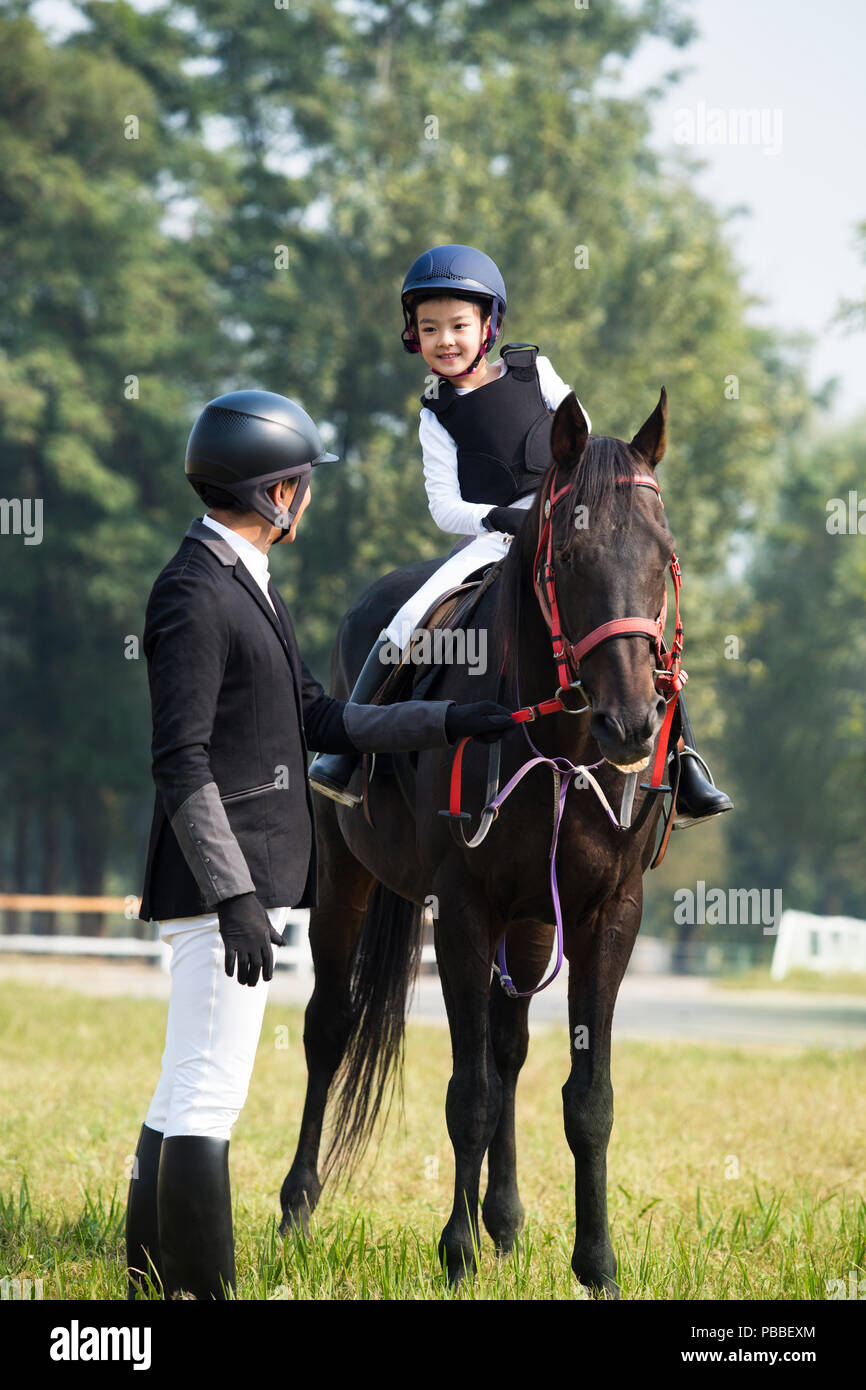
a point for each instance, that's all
(439, 456)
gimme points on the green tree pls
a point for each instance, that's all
(110, 326)
(290, 165)
(368, 132)
(798, 692)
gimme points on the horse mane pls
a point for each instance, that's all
(593, 486)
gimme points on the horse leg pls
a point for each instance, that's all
(335, 927)
(528, 945)
(471, 1107)
(599, 954)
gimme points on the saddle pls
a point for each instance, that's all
(422, 659)
(420, 665)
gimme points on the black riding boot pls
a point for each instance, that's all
(196, 1240)
(698, 798)
(142, 1229)
(330, 773)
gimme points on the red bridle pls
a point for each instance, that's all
(670, 679)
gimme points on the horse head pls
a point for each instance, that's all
(611, 547)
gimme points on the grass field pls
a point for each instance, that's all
(732, 1173)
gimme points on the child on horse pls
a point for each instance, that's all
(485, 436)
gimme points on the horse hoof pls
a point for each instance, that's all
(504, 1241)
(598, 1287)
(503, 1228)
(595, 1291)
(297, 1211)
(457, 1265)
(593, 1280)
(296, 1222)
(298, 1202)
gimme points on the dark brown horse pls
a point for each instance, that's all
(610, 560)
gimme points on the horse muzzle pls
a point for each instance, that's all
(627, 742)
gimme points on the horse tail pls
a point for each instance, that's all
(371, 1071)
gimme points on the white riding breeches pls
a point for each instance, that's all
(484, 550)
(212, 1032)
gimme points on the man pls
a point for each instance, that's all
(232, 842)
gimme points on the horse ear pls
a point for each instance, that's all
(569, 434)
(651, 438)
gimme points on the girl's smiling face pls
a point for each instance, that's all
(450, 332)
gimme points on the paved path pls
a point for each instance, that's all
(669, 1007)
(651, 1007)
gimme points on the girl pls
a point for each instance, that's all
(485, 437)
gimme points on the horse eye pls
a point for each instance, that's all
(567, 556)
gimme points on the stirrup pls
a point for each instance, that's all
(330, 789)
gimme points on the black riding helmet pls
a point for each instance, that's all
(246, 440)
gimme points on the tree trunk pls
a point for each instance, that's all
(683, 956)
(45, 923)
(91, 839)
(20, 862)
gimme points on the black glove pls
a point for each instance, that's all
(508, 519)
(246, 930)
(485, 721)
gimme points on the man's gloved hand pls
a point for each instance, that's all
(246, 930)
(485, 721)
(508, 519)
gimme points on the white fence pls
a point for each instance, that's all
(803, 942)
(824, 944)
(295, 955)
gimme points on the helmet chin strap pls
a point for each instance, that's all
(254, 494)
(285, 520)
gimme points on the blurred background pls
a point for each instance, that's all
(206, 196)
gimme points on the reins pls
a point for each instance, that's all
(669, 681)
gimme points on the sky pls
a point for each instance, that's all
(801, 66)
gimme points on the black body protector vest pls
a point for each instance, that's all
(502, 430)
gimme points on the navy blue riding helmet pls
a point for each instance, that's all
(470, 274)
